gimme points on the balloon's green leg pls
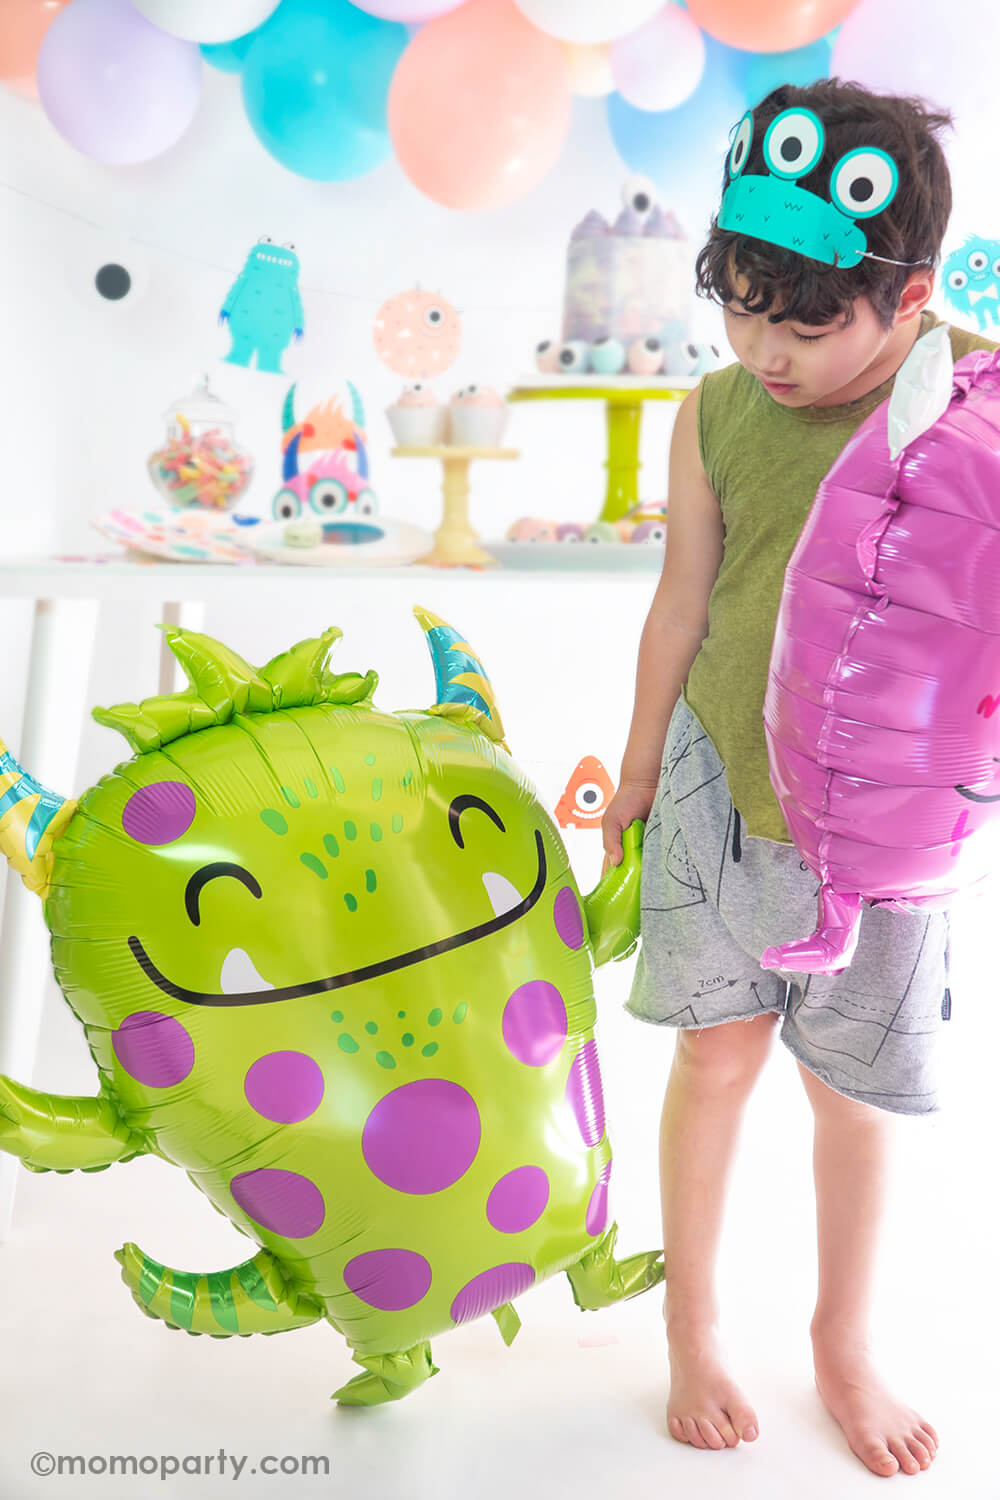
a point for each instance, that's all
(254, 1297)
(598, 1280)
(388, 1377)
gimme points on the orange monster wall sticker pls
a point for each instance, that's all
(588, 792)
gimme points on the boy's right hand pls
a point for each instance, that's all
(632, 800)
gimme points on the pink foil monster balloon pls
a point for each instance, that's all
(881, 706)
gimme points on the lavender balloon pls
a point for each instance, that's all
(881, 707)
(114, 86)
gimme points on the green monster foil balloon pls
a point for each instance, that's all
(332, 961)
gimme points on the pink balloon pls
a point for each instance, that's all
(951, 74)
(881, 711)
(113, 85)
(479, 106)
(407, 10)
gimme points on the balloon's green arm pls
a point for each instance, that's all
(62, 1132)
(612, 908)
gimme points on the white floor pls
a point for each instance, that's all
(576, 1406)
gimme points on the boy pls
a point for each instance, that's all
(821, 309)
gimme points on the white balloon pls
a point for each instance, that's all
(660, 64)
(590, 73)
(588, 20)
(206, 20)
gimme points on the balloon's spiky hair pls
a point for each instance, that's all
(223, 685)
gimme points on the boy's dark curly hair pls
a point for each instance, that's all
(910, 229)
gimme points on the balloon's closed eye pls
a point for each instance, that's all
(459, 805)
(201, 877)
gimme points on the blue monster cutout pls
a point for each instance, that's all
(971, 281)
(263, 307)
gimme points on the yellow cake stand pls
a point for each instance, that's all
(623, 398)
(455, 542)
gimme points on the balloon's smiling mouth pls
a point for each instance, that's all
(963, 791)
(498, 888)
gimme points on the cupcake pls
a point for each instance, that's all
(477, 416)
(418, 420)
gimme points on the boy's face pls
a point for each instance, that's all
(801, 364)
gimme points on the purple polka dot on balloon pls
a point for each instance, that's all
(284, 1086)
(518, 1200)
(390, 1280)
(153, 1048)
(422, 1137)
(568, 918)
(585, 1095)
(491, 1289)
(284, 1202)
(597, 1208)
(534, 1023)
(160, 813)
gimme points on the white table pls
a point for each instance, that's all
(67, 598)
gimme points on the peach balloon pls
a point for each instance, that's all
(479, 106)
(25, 23)
(590, 73)
(768, 25)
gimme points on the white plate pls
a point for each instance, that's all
(398, 543)
(579, 557)
(537, 381)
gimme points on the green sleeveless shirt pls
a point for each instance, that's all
(765, 462)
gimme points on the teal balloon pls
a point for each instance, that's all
(315, 85)
(684, 149)
(801, 66)
(228, 57)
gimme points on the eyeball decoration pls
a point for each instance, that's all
(971, 281)
(607, 356)
(530, 529)
(574, 357)
(601, 531)
(547, 357)
(650, 533)
(645, 357)
(639, 194)
(770, 205)
(569, 531)
(418, 333)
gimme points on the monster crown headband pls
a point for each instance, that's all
(773, 207)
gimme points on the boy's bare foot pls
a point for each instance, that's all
(886, 1435)
(705, 1407)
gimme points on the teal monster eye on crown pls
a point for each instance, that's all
(775, 208)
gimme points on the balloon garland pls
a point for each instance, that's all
(474, 99)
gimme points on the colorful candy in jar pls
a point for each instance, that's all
(200, 464)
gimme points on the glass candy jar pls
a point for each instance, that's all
(200, 463)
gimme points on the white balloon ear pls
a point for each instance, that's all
(922, 389)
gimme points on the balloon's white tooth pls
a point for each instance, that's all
(503, 896)
(239, 977)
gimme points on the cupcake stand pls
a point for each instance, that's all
(455, 542)
(623, 396)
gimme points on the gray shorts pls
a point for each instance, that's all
(714, 899)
